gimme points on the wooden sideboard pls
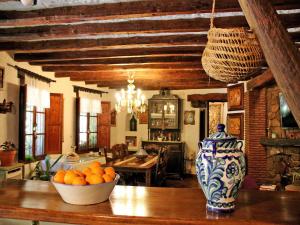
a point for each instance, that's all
(175, 164)
(39, 201)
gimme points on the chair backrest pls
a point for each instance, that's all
(160, 170)
(119, 151)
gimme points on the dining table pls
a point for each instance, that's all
(132, 164)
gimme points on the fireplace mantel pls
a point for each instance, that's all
(280, 142)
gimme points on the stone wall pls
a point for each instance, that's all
(281, 161)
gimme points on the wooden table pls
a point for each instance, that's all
(133, 165)
(39, 201)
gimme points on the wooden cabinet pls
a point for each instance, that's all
(175, 163)
(164, 111)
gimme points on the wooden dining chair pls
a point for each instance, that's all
(119, 151)
(160, 174)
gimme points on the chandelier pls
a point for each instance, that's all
(131, 99)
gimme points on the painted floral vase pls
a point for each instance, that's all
(220, 168)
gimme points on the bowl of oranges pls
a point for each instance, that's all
(92, 185)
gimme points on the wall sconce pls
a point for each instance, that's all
(5, 107)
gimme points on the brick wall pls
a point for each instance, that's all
(255, 127)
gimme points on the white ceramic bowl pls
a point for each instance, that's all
(86, 194)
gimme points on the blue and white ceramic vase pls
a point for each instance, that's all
(220, 167)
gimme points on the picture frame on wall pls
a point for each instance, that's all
(1, 77)
(143, 117)
(235, 97)
(189, 117)
(113, 118)
(131, 141)
(235, 125)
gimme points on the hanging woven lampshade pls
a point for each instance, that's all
(231, 54)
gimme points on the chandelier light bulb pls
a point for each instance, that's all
(27, 2)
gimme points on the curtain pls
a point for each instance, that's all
(38, 93)
(90, 103)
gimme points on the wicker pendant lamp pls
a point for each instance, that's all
(231, 54)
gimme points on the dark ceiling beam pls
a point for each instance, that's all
(138, 27)
(120, 10)
(149, 81)
(70, 55)
(105, 43)
(135, 66)
(138, 9)
(211, 97)
(122, 60)
(172, 86)
(129, 27)
(123, 75)
(187, 40)
(261, 81)
(280, 52)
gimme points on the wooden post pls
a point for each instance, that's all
(281, 54)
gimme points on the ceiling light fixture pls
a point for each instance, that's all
(131, 99)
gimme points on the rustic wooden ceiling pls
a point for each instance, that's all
(159, 41)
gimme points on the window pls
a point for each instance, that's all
(88, 131)
(34, 132)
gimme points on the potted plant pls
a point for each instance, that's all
(7, 153)
(40, 173)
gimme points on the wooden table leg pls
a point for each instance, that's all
(148, 178)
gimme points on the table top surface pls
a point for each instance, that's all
(38, 200)
(133, 162)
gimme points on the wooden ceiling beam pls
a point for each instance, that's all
(142, 81)
(179, 40)
(120, 10)
(71, 55)
(105, 43)
(156, 59)
(211, 97)
(123, 75)
(135, 66)
(172, 86)
(261, 81)
(281, 54)
(35, 33)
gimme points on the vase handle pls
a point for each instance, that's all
(241, 143)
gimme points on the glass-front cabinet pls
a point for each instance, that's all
(164, 116)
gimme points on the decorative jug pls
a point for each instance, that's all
(220, 168)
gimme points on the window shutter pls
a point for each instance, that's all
(54, 125)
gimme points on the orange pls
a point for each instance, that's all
(69, 177)
(59, 177)
(97, 170)
(107, 178)
(79, 173)
(111, 173)
(79, 181)
(109, 169)
(87, 171)
(95, 179)
(95, 164)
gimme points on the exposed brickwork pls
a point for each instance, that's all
(255, 127)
